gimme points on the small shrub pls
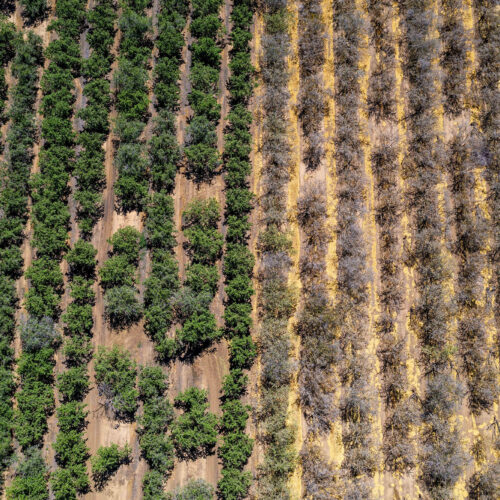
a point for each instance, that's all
(30, 477)
(484, 485)
(37, 334)
(107, 461)
(82, 259)
(115, 374)
(122, 306)
(35, 11)
(194, 432)
(195, 489)
(152, 486)
(127, 242)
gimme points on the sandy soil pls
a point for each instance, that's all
(256, 158)
(297, 172)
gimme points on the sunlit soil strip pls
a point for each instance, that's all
(335, 443)
(468, 20)
(294, 412)
(370, 232)
(254, 389)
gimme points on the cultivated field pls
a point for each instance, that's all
(249, 249)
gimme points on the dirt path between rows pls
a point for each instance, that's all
(208, 369)
(102, 430)
(252, 396)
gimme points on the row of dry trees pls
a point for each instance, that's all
(401, 406)
(442, 459)
(353, 275)
(276, 301)
(465, 157)
(486, 96)
(427, 161)
(315, 320)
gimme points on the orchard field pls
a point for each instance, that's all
(249, 249)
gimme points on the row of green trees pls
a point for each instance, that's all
(89, 166)
(132, 104)
(15, 172)
(115, 375)
(118, 275)
(153, 430)
(238, 260)
(70, 479)
(276, 300)
(50, 217)
(192, 302)
(116, 379)
(353, 277)
(206, 28)
(164, 158)
(7, 50)
(401, 408)
(194, 431)
(442, 461)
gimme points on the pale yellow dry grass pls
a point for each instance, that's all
(256, 159)
(368, 133)
(294, 413)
